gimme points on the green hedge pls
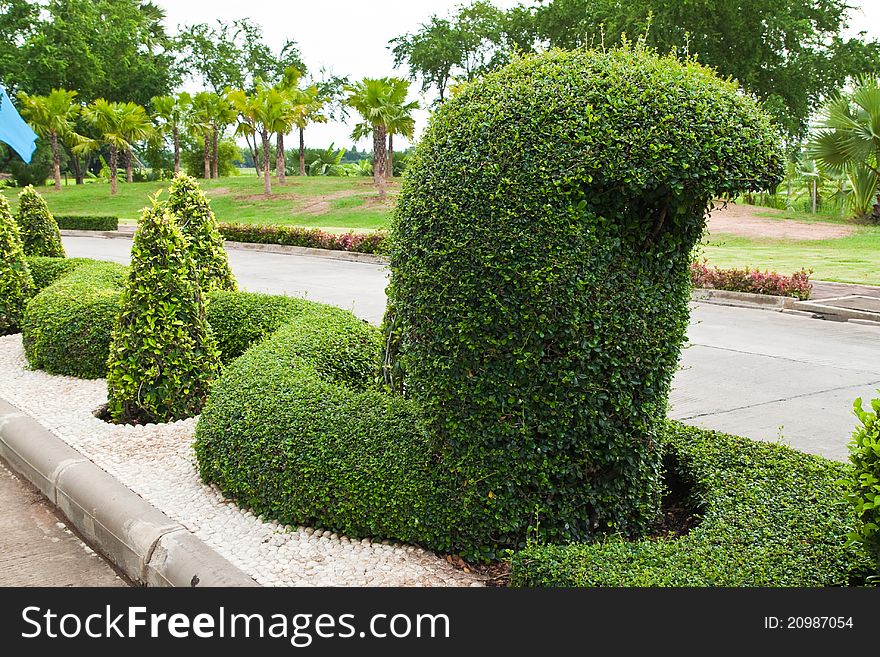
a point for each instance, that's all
(295, 429)
(87, 222)
(313, 238)
(771, 516)
(16, 283)
(67, 326)
(46, 271)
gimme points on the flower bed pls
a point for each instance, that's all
(797, 285)
(312, 238)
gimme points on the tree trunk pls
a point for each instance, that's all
(175, 136)
(302, 151)
(77, 168)
(129, 156)
(113, 163)
(207, 171)
(215, 157)
(380, 157)
(267, 181)
(56, 162)
(279, 160)
(390, 172)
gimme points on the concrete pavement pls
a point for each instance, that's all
(36, 546)
(762, 374)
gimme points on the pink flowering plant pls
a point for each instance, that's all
(797, 285)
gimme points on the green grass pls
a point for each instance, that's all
(333, 204)
(851, 259)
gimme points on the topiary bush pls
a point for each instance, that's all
(189, 206)
(163, 357)
(39, 232)
(863, 483)
(770, 516)
(67, 326)
(16, 283)
(46, 271)
(540, 281)
(87, 222)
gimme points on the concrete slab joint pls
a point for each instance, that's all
(148, 546)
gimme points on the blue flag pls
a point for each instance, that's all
(13, 129)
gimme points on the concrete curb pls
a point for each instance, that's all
(743, 299)
(822, 307)
(144, 543)
(350, 256)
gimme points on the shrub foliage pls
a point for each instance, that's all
(188, 204)
(770, 516)
(312, 238)
(540, 278)
(15, 278)
(864, 482)
(87, 222)
(39, 232)
(162, 355)
(797, 285)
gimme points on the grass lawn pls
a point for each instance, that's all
(851, 259)
(333, 204)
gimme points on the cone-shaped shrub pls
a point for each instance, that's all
(15, 278)
(188, 204)
(39, 232)
(162, 355)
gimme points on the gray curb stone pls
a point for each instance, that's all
(148, 546)
(743, 299)
(330, 254)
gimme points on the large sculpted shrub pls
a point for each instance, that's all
(39, 232)
(15, 278)
(540, 279)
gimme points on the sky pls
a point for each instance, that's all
(350, 37)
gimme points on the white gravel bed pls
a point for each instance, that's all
(157, 462)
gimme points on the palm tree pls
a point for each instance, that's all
(308, 108)
(847, 141)
(109, 119)
(264, 113)
(222, 114)
(136, 126)
(372, 98)
(201, 124)
(53, 117)
(171, 111)
(401, 121)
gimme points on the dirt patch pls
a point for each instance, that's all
(743, 220)
(218, 191)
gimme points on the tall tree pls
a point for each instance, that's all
(171, 113)
(201, 124)
(401, 121)
(263, 113)
(53, 117)
(136, 127)
(112, 49)
(308, 107)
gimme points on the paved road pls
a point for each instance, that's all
(37, 548)
(762, 374)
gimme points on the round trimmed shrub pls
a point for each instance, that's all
(163, 357)
(189, 206)
(67, 326)
(39, 232)
(16, 284)
(539, 279)
(46, 271)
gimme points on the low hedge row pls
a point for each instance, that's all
(313, 238)
(297, 430)
(67, 325)
(771, 516)
(797, 285)
(87, 222)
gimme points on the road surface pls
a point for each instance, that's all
(762, 374)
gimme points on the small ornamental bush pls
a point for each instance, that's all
(313, 238)
(864, 483)
(16, 284)
(189, 206)
(46, 271)
(797, 285)
(87, 222)
(39, 232)
(540, 279)
(68, 325)
(769, 516)
(162, 356)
